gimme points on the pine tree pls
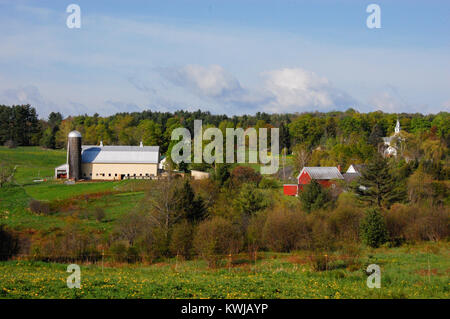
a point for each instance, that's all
(313, 196)
(373, 229)
(191, 205)
(378, 185)
(376, 135)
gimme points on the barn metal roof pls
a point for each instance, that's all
(120, 154)
(322, 172)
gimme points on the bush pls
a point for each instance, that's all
(9, 244)
(10, 144)
(285, 230)
(322, 235)
(181, 239)
(255, 239)
(373, 229)
(39, 207)
(69, 244)
(345, 222)
(268, 183)
(217, 237)
(132, 226)
(244, 174)
(319, 262)
(154, 244)
(119, 251)
(99, 214)
(415, 223)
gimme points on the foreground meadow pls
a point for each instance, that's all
(406, 272)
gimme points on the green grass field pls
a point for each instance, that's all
(407, 272)
(32, 162)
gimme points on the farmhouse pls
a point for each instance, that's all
(99, 162)
(323, 175)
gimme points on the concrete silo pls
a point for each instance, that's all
(74, 155)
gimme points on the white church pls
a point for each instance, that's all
(391, 150)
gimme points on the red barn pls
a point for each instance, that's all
(323, 175)
(290, 189)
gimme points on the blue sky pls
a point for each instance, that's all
(229, 57)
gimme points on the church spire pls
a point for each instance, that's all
(397, 127)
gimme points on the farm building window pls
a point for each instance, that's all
(109, 174)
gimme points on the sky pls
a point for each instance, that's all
(227, 57)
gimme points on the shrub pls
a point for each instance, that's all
(255, 239)
(345, 222)
(285, 230)
(10, 144)
(181, 239)
(132, 226)
(68, 244)
(319, 262)
(268, 183)
(9, 244)
(119, 251)
(415, 223)
(39, 207)
(322, 236)
(373, 229)
(216, 237)
(99, 214)
(244, 174)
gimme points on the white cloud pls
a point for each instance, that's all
(212, 81)
(296, 89)
(282, 90)
(389, 100)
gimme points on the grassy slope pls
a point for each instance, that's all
(403, 275)
(35, 162)
(32, 162)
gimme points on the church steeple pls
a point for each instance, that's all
(397, 127)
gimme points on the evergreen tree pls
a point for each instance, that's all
(373, 229)
(285, 138)
(378, 185)
(249, 200)
(313, 196)
(192, 206)
(376, 135)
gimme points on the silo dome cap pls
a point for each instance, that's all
(74, 134)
